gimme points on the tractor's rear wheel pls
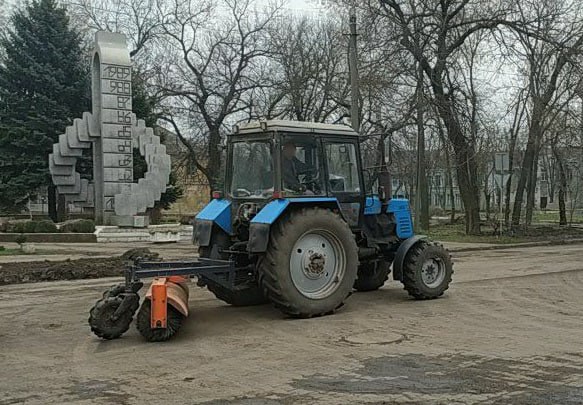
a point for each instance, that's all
(310, 264)
(174, 321)
(102, 319)
(372, 275)
(246, 291)
(427, 270)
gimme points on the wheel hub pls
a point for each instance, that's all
(314, 266)
(433, 272)
(317, 264)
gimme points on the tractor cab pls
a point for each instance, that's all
(294, 160)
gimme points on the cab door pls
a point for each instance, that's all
(344, 177)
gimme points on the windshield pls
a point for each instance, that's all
(252, 170)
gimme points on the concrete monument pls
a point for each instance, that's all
(112, 131)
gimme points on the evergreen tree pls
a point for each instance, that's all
(44, 85)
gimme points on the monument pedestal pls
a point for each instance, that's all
(136, 221)
(154, 233)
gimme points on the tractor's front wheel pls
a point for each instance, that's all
(427, 270)
(372, 275)
(310, 264)
(112, 315)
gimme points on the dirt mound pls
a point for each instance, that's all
(31, 272)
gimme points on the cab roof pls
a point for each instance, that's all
(301, 127)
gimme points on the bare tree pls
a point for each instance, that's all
(137, 19)
(433, 33)
(310, 60)
(548, 45)
(213, 64)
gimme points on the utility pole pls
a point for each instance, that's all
(353, 63)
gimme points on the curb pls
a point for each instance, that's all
(516, 245)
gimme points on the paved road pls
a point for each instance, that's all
(508, 331)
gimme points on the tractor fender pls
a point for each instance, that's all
(218, 212)
(401, 254)
(261, 224)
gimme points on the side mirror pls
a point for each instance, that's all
(344, 154)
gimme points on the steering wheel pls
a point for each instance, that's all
(311, 180)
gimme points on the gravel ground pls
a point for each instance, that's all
(507, 332)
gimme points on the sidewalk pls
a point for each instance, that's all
(185, 249)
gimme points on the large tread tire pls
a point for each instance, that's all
(274, 267)
(372, 275)
(174, 321)
(100, 318)
(412, 274)
(247, 294)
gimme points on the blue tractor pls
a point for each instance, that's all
(296, 224)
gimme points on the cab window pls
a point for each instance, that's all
(301, 166)
(342, 168)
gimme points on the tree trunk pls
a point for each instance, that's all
(527, 166)
(532, 182)
(451, 192)
(422, 197)
(466, 167)
(214, 164)
(52, 202)
(61, 208)
(449, 171)
(562, 187)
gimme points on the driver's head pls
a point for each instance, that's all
(289, 150)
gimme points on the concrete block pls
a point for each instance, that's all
(93, 127)
(82, 130)
(60, 159)
(135, 221)
(60, 170)
(65, 150)
(73, 140)
(165, 237)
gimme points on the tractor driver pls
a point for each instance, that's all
(292, 167)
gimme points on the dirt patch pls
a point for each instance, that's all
(535, 380)
(31, 272)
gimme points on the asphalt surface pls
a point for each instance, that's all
(507, 332)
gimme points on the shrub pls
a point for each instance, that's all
(27, 226)
(78, 226)
(21, 239)
(45, 226)
(16, 226)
